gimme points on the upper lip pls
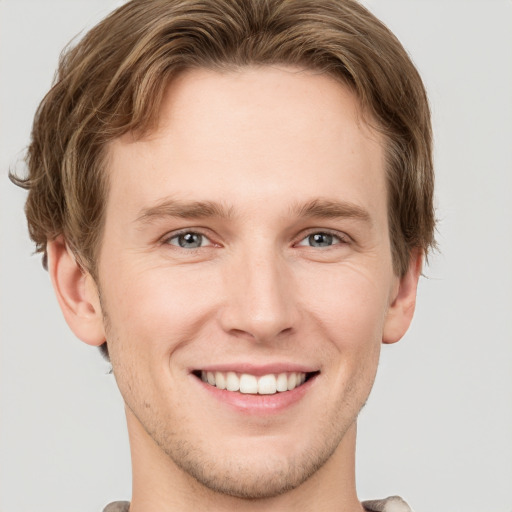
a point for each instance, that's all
(257, 370)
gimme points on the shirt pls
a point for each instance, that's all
(391, 504)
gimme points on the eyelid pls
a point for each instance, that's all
(165, 240)
(341, 236)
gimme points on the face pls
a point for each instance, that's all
(245, 275)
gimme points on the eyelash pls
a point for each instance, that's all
(167, 239)
(340, 237)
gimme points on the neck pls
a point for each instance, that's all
(160, 485)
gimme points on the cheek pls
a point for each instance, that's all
(349, 311)
(348, 303)
(157, 307)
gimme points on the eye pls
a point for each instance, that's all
(189, 240)
(321, 239)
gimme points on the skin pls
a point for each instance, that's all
(262, 145)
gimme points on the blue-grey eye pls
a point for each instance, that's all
(320, 240)
(189, 240)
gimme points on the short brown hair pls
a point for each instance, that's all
(113, 81)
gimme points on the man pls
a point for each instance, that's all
(234, 200)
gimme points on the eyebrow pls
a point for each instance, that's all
(184, 210)
(328, 209)
(316, 208)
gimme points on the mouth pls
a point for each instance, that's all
(249, 384)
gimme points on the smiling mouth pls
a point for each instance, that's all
(246, 383)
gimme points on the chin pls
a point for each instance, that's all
(249, 479)
(253, 470)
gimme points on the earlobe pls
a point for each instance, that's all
(403, 303)
(76, 293)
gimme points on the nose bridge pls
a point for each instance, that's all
(260, 301)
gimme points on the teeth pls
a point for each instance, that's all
(282, 382)
(292, 381)
(232, 381)
(250, 384)
(220, 380)
(267, 385)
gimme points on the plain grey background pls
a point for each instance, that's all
(438, 426)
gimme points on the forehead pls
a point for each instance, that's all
(251, 135)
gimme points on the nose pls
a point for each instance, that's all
(260, 302)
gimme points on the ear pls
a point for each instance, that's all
(403, 301)
(76, 293)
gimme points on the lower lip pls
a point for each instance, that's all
(258, 404)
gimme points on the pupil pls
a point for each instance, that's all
(189, 240)
(320, 240)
